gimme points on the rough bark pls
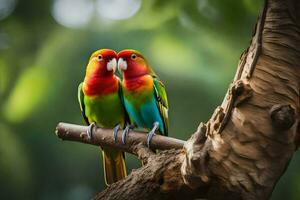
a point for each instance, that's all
(253, 134)
(243, 150)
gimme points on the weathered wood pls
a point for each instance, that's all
(260, 133)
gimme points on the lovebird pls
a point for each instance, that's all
(100, 101)
(145, 97)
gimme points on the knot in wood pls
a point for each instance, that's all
(238, 88)
(283, 116)
(241, 91)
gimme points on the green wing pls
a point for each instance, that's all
(162, 102)
(81, 103)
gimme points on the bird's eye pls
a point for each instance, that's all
(133, 56)
(99, 57)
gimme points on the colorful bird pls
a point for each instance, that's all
(100, 101)
(145, 97)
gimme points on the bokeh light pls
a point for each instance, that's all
(73, 13)
(118, 9)
(206, 9)
(6, 8)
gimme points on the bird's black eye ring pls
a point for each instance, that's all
(100, 57)
(133, 56)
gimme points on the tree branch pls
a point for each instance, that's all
(104, 137)
(159, 179)
(160, 175)
(253, 134)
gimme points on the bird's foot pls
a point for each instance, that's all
(90, 129)
(126, 132)
(115, 132)
(152, 133)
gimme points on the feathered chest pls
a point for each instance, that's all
(140, 88)
(139, 84)
(100, 86)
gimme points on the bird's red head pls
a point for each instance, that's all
(102, 63)
(132, 64)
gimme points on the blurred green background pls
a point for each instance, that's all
(193, 45)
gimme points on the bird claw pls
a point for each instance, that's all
(149, 138)
(115, 132)
(125, 133)
(89, 131)
(152, 133)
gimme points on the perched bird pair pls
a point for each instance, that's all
(140, 100)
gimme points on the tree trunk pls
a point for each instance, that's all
(243, 150)
(260, 112)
